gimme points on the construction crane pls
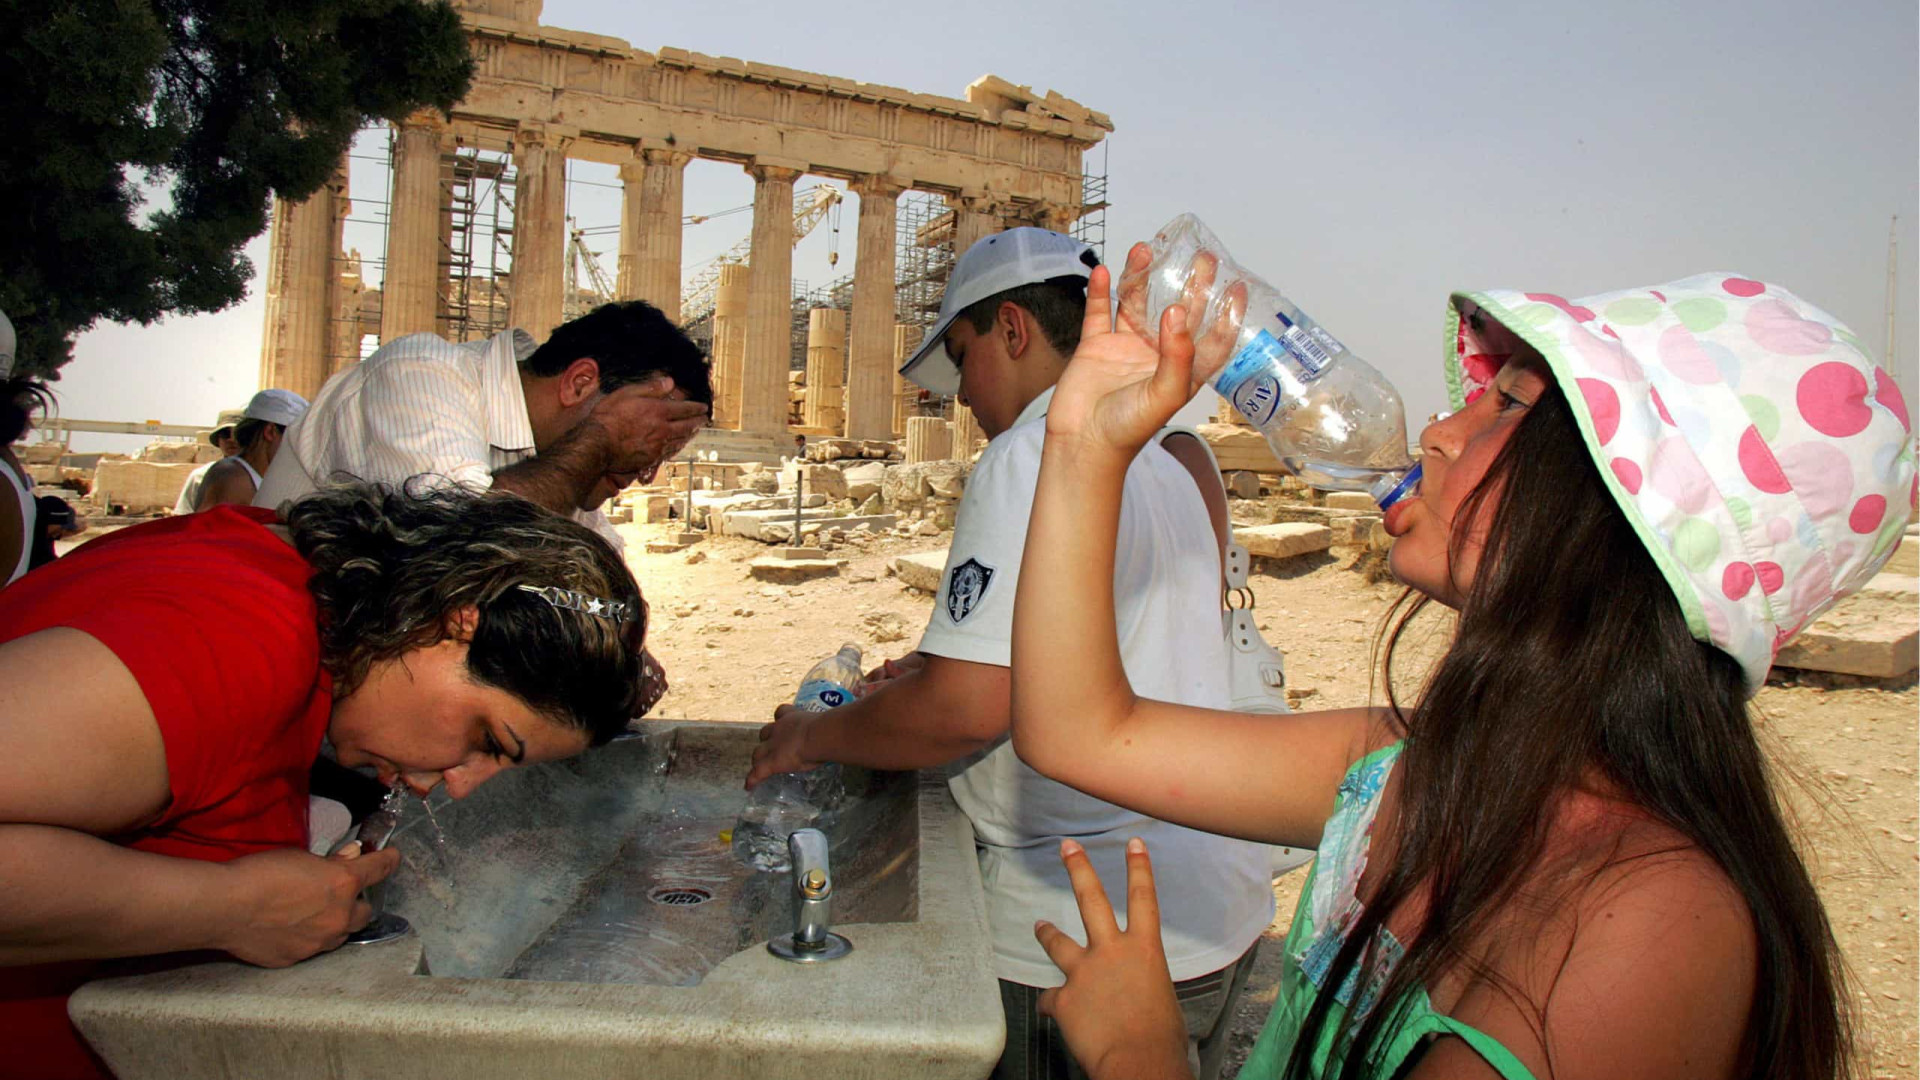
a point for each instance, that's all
(811, 206)
(581, 261)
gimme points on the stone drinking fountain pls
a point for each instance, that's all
(585, 918)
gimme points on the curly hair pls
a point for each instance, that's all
(390, 567)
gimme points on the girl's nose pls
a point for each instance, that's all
(1443, 437)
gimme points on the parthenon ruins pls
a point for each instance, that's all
(1000, 157)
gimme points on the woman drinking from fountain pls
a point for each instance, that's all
(197, 664)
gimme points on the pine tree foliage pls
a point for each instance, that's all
(141, 141)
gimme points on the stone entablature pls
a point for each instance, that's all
(1005, 142)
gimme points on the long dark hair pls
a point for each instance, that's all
(390, 565)
(20, 398)
(1564, 586)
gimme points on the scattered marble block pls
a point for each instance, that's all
(785, 571)
(1351, 500)
(921, 570)
(1905, 558)
(1874, 633)
(1284, 541)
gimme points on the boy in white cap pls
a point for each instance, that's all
(265, 420)
(1010, 319)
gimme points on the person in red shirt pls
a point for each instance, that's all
(436, 637)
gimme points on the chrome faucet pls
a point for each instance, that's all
(813, 939)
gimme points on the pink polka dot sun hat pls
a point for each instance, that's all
(1760, 453)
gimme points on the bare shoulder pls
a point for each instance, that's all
(1663, 960)
(1644, 963)
(91, 759)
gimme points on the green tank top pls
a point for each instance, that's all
(1328, 906)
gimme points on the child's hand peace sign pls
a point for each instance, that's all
(1117, 1010)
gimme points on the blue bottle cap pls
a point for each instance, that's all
(1408, 485)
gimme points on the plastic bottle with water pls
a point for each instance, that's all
(789, 801)
(1329, 416)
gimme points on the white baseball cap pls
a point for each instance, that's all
(1008, 260)
(281, 407)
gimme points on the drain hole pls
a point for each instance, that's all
(679, 896)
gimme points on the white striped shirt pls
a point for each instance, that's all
(418, 405)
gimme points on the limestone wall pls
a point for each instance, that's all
(140, 486)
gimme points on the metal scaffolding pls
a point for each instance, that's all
(478, 256)
(1091, 228)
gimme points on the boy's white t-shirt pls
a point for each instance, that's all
(1216, 894)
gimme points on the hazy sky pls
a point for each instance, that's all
(1366, 158)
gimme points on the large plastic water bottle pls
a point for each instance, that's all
(1329, 416)
(790, 801)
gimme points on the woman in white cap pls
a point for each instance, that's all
(1566, 858)
(264, 422)
(435, 639)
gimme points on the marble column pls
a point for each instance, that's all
(927, 440)
(349, 296)
(729, 341)
(294, 347)
(966, 432)
(974, 218)
(411, 286)
(345, 289)
(827, 388)
(906, 338)
(650, 213)
(764, 397)
(870, 350)
(539, 231)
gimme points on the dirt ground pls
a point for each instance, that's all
(734, 648)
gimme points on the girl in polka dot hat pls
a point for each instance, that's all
(1565, 858)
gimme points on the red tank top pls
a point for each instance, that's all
(210, 613)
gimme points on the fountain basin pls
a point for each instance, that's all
(584, 919)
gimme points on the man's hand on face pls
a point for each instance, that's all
(646, 423)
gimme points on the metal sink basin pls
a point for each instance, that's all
(586, 919)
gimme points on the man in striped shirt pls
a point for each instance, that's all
(602, 403)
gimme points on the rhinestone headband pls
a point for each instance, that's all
(617, 611)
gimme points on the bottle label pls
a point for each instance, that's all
(1247, 381)
(819, 695)
(1308, 354)
(1327, 341)
(1251, 379)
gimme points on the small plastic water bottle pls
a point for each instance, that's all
(829, 684)
(1331, 418)
(790, 801)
